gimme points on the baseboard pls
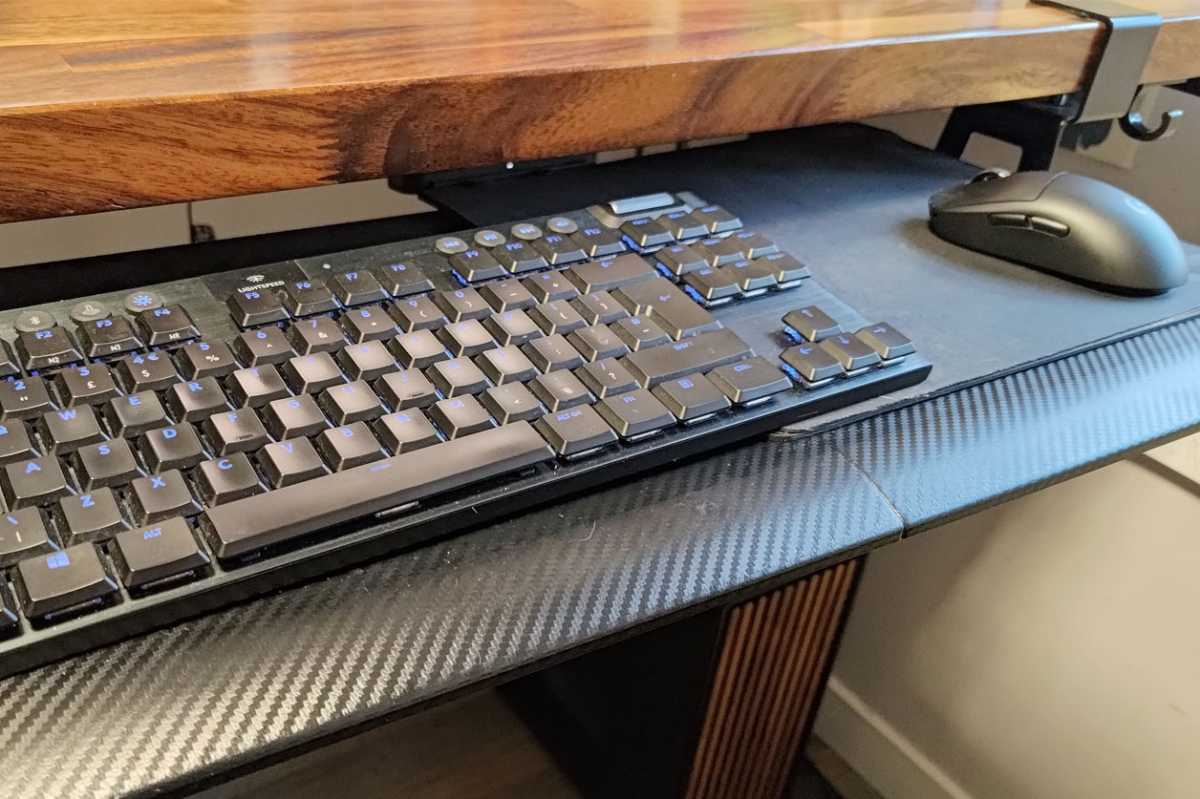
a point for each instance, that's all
(879, 752)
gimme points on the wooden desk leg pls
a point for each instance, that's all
(774, 657)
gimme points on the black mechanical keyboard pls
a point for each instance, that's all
(170, 450)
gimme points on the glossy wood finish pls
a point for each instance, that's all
(111, 105)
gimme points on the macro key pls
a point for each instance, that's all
(47, 349)
(305, 298)
(164, 553)
(356, 288)
(890, 343)
(169, 324)
(71, 579)
(206, 359)
(22, 534)
(37, 481)
(102, 338)
(256, 307)
(575, 431)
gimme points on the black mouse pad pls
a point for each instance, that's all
(852, 202)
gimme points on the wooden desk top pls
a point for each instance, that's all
(114, 105)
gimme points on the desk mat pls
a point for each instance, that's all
(852, 202)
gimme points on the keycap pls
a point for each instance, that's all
(635, 413)
(552, 353)
(850, 351)
(682, 225)
(506, 365)
(691, 398)
(140, 301)
(518, 257)
(37, 481)
(507, 295)
(15, 442)
(811, 323)
(457, 377)
(69, 429)
(69, 579)
(304, 298)
(47, 349)
(812, 363)
(294, 416)
(418, 313)
(407, 277)
(751, 276)
(575, 431)
(152, 371)
(366, 361)
(419, 349)
(526, 231)
(749, 380)
(551, 286)
(599, 308)
(406, 389)
(205, 359)
(466, 338)
(93, 516)
(350, 402)
(196, 399)
(558, 249)
(610, 273)
(285, 463)
(89, 311)
(256, 386)
(462, 304)
(135, 414)
(101, 338)
(664, 303)
(639, 333)
(713, 284)
(716, 219)
(349, 446)
(556, 316)
(85, 385)
(235, 431)
(787, 268)
(23, 398)
(450, 245)
(268, 345)
(598, 241)
(8, 361)
(167, 325)
(23, 534)
(308, 374)
(161, 496)
(175, 447)
(696, 354)
(597, 342)
(562, 224)
(248, 525)
(886, 340)
(559, 390)
(164, 552)
(647, 233)
(405, 431)
(460, 416)
(717, 252)
(34, 320)
(511, 402)
(369, 323)
(606, 378)
(256, 307)
(109, 463)
(226, 479)
(319, 334)
(474, 265)
(489, 238)
(680, 259)
(512, 327)
(356, 288)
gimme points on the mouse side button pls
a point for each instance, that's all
(1051, 226)
(1008, 220)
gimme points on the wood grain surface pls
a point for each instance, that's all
(113, 105)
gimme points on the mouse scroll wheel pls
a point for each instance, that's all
(991, 174)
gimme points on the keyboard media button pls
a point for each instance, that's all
(47, 349)
(102, 338)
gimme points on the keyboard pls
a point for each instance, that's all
(178, 447)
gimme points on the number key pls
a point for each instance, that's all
(205, 359)
(85, 385)
(152, 371)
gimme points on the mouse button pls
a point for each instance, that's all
(1008, 220)
(1051, 226)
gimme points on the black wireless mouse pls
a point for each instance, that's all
(1073, 226)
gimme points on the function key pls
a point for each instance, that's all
(256, 307)
(22, 533)
(647, 233)
(45, 349)
(304, 298)
(748, 381)
(450, 245)
(8, 363)
(716, 219)
(69, 579)
(813, 364)
(206, 359)
(526, 231)
(406, 277)
(163, 553)
(561, 224)
(559, 249)
(142, 301)
(475, 265)
(104, 337)
(167, 325)
(810, 323)
(89, 311)
(33, 321)
(599, 241)
(152, 371)
(261, 347)
(851, 352)
(682, 225)
(518, 257)
(489, 238)
(23, 398)
(356, 288)
(890, 343)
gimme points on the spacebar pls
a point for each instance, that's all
(246, 525)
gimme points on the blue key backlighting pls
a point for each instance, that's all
(142, 300)
(685, 383)
(224, 464)
(32, 467)
(67, 415)
(169, 432)
(157, 482)
(153, 532)
(58, 560)
(43, 334)
(87, 501)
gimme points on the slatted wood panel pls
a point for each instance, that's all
(769, 676)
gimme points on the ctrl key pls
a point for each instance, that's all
(64, 582)
(158, 556)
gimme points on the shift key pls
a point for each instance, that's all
(696, 354)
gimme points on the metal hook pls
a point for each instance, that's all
(1135, 126)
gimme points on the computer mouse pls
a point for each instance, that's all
(1073, 226)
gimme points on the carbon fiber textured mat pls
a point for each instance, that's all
(946, 457)
(171, 708)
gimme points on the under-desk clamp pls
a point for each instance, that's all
(1112, 92)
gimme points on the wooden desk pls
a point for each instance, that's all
(106, 106)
